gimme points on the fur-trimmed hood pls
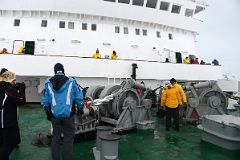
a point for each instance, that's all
(8, 76)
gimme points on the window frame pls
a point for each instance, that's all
(144, 32)
(44, 23)
(117, 29)
(170, 36)
(84, 26)
(94, 27)
(148, 4)
(124, 1)
(176, 10)
(158, 34)
(138, 2)
(62, 23)
(16, 22)
(137, 31)
(125, 30)
(163, 8)
(70, 25)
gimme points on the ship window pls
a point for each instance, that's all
(176, 9)
(94, 27)
(198, 9)
(164, 6)
(170, 36)
(158, 34)
(188, 12)
(125, 30)
(110, 0)
(16, 22)
(144, 32)
(151, 3)
(137, 31)
(117, 29)
(124, 1)
(84, 26)
(70, 25)
(62, 24)
(138, 2)
(44, 23)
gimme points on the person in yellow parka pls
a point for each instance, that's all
(21, 50)
(114, 55)
(97, 54)
(181, 92)
(186, 61)
(171, 99)
(4, 51)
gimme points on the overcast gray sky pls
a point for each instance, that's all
(219, 35)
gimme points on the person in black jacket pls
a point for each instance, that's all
(12, 94)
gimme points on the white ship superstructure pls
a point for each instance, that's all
(145, 32)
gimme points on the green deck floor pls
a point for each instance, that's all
(139, 145)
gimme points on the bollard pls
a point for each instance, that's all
(102, 130)
(109, 147)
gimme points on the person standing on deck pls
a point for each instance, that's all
(114, 55)
(97, 54)
(59, 97)
(186, 61)
(171, 99)
(12, 95)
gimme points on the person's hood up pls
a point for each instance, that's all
(8, 76)
(58, 81)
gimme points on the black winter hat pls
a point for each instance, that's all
(58, 67)
(3, 70)
(173, 80)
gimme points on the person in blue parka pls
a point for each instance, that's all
(60, 96)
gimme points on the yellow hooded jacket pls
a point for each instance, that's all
(181, 93)
(170, 97)
(96, 55)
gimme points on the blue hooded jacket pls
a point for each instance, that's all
(60, 95)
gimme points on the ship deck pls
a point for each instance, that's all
(140, 145)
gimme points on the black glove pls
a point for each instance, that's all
(91, 110)
(20, 86)
(49, 116)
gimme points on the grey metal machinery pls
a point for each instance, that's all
(204, 98)
(121, 106)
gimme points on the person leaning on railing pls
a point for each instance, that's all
(4, 51)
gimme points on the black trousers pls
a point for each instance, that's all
(67, 127)
(172, 113)
(8, 141)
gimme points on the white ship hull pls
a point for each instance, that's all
(145, 32)
(34, 70)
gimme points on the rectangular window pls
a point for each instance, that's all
(70, 25)
(170, 36)
(117, 29)
(124, 1)
(176, 9)
(164, 6)
(158, 34)
(125, 30)
(62, 24)
(137, 31)
(84, 26)
(94, 27)
(188, 12)
(16, 22)
(144, 32)
(44, 23)
(110, 0)
(151, 3)
(138, 2)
